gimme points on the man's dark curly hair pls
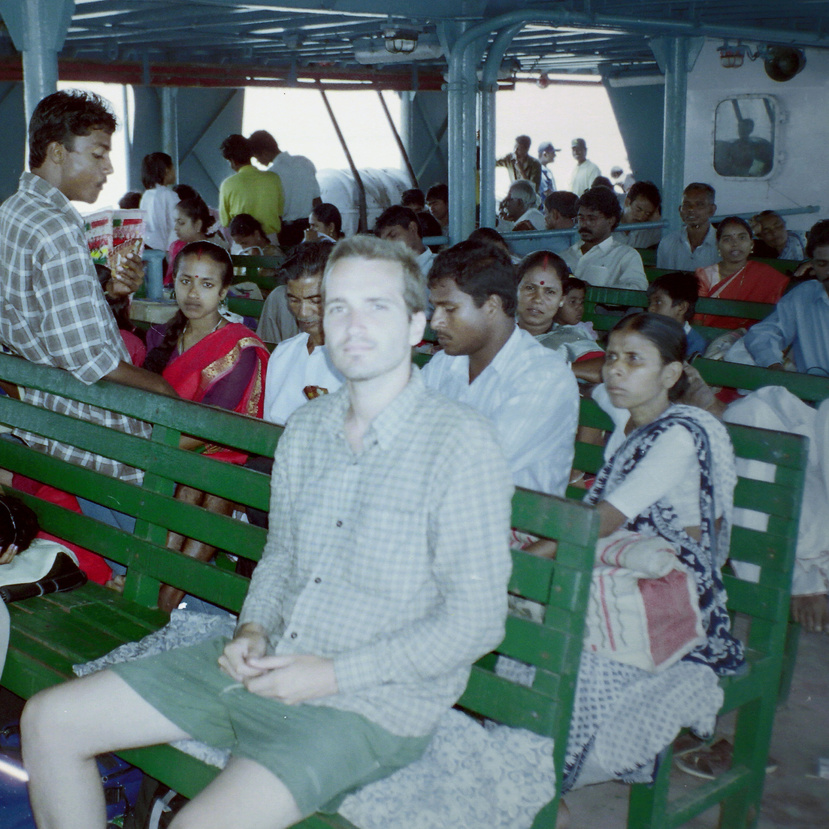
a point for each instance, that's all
(479, 269)
(64, 115)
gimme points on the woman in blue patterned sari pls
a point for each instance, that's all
(669, 472)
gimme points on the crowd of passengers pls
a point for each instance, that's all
(510, 340)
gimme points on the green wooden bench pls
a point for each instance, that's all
(51, 633)
(639, 299)
(762, 608)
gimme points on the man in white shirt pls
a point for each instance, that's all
(400, 224)
(695, 246)
(526, 390)
(300, 368)
(598, 258)
(586, 171)
(299, 183)
(520, 212)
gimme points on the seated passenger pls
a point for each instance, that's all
(669, 472)
(192, 224)
(784, 244)
(526, 390)
(249, 239)
(541, 278)
(571, 311)
(695, 246)
(416, 201)
(326, 224)
(437, 200)
(518, 210)
(801, 319)
(675, 295)
(598, 258)
(643, 203)
(300, 368)
(735, 277)
(560, 209)
(208, 360)
(399, 224)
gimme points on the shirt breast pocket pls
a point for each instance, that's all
(391, 556)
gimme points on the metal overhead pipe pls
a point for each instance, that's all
(488, 110)
(397, 138)
(361, 190)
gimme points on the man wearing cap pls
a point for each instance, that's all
(546, 155)
(520, 165)
(586, 171)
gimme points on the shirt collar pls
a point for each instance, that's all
(37, 185)
(710, 238)
(387, 425)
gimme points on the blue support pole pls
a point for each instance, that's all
(38, 29)
(676, 57)
(489, 88)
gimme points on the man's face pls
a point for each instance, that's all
(461, 326)
(520, 151)
(84, 166)
(305, 303)
(438, 208)
(697, 208)
(580, 152)
(368, 331)
(641, 209)
(773, 232)
(407, 235)
(820, 265)
(548, 157)
(513, 207)
(594, 226)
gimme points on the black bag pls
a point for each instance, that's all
(62, 576)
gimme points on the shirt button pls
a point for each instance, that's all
(339, 523)
(317, 580)
(293, 635)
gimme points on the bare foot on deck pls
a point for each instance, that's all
(812, 612)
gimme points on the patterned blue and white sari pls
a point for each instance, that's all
(624, 716)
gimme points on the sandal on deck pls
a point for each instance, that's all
(709, 762)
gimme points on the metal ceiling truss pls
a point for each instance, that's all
(179, 41)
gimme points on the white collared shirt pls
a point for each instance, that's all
(290, 370)
(609, 264)
(531, 396)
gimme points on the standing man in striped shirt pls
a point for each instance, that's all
(384, 577)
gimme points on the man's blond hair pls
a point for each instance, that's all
(383, 250)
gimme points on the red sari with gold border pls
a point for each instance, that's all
(198, 370)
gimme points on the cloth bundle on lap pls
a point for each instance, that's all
(643, 608)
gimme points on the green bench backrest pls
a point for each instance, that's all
(639, 299)
(252, 266)
(561, 586)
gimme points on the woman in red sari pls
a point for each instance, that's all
(209, 360)
(735, 277)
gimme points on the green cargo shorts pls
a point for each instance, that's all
(319, 753)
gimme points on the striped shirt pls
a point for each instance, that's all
(393, 561)
(52, 311)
